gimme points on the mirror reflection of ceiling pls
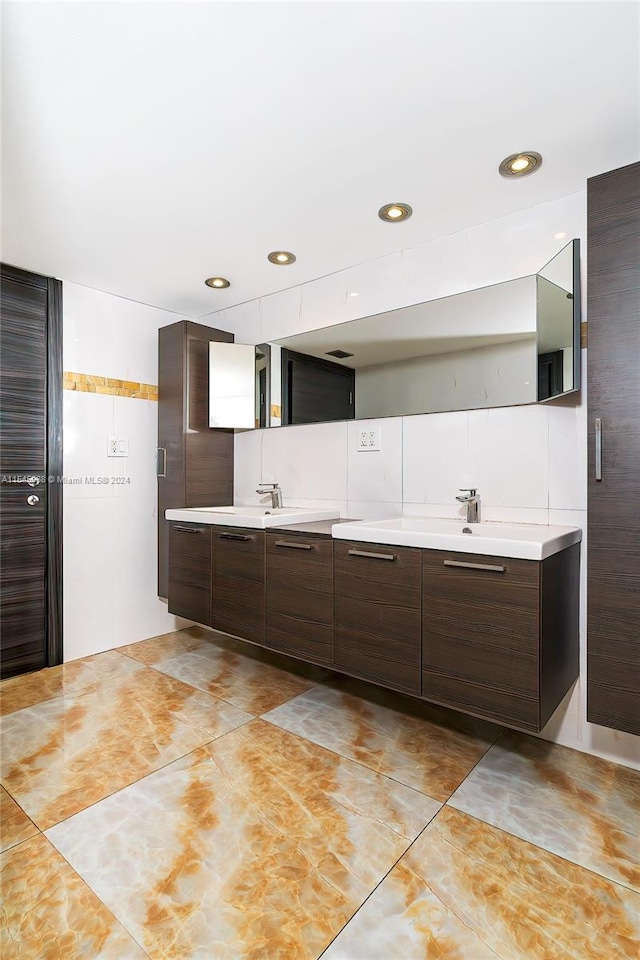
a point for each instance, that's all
(501, 313)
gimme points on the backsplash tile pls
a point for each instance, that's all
(435, 458)
(307, 461)
(375, 474)
(509, 456)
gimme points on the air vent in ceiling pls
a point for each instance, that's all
(340, 354)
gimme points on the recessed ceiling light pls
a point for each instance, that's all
(354, 294)
(281, 257)
(395, 212)
(520, 164)
(559, 236)
(218, 283)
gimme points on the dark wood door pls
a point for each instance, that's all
(377, 613)
(29, 533)
(613, 644)
(237, 589)
(300, 595)
(315, 390)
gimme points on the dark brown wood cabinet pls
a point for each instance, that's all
(613, 297)
(189, 585)
(377, 613)
(499, 635)
(195, 462)
(492, 636)
(238, 582)
(299, 595)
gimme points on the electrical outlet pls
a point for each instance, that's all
(368, 439)
(117, 447)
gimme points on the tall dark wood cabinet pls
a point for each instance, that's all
(195, 462)
(613, 639)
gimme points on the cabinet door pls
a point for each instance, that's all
(480, 635)
(237, 593)
(300, 595)
(190, 571)
(377, 613)
(613, 594)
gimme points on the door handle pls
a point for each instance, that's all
(494, 568)
(598, 448)
(32, 499)
(161, 458)
(373, 556)
(293, 546)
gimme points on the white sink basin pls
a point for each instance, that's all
(524, 541)
(257, 517)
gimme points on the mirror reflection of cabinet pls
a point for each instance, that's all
(315, 390)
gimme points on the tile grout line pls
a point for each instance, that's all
(143, 777)
(552, 853)
(381, 881)
(89, 887)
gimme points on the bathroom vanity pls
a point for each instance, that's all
(491, 630)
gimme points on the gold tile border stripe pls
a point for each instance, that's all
(583, 334)
(88, 383)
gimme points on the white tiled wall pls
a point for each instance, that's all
(529, 463)
(110, 529)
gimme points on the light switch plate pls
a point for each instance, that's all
(368, 439)
(117, 447)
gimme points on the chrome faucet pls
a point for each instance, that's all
(275, 492)
(472, 500)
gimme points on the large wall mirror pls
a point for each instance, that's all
(511, 343)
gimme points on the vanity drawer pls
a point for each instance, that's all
(377, 613)
(190, 602)
(300, 595)
(237, 582)
(481, 629)
(190, 554)
(501, 706)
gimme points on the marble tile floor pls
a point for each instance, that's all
(191, 796)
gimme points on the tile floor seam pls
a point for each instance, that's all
(138, 780)
(538, 846)
(177, 721)
(350, 760)
(381, 881)
(96, 895)
(82, 881)
(255, 716)
(360, 763)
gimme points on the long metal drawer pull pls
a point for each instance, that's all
(294, 546)
(474, 566)
(189, 529)
(598, 448)
(235, 536)
(374, 556)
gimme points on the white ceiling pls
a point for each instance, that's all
(150, 145)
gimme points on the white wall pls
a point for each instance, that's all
(529, 463)
(110, 530)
